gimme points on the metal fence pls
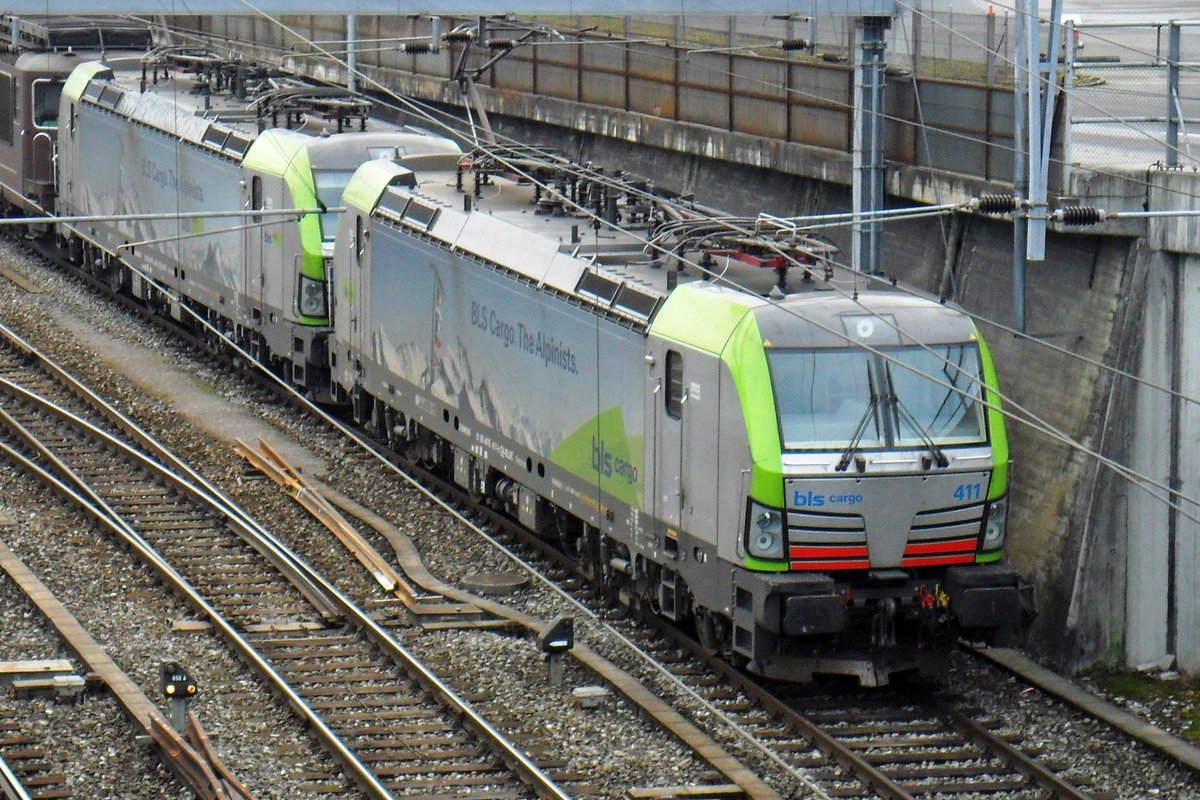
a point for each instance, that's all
(798, 97)
(1136, 98)
(1131, 100)
(1128, 102)
(944, 44)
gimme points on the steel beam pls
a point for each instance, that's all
(868, 143)
(1020, 164)
(1173, 108)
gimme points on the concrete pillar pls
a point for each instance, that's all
(1186, 549)
(1147, 528)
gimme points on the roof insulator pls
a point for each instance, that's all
(997, 204)
(1081, 215)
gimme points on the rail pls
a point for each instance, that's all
(75, 488)
(10, 784)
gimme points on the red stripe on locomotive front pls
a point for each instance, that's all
(800, 551)
(830, 565)
(951, 546)
(937, 561)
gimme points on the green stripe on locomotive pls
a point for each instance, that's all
(285, 155)
(997, 431)
(720, 322)
(577, 455)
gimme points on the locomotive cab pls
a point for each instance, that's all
(894, 479)
(871, 503)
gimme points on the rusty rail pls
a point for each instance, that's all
(190, 755)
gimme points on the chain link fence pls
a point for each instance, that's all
(1137, 96)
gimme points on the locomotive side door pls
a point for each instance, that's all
(666, 403)
(252, 247)
(700, 451)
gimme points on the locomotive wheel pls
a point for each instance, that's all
(712, 631)
(116, 278)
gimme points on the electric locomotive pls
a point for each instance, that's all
(817, 482)
(182, 134)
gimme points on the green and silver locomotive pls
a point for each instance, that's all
(817, 483)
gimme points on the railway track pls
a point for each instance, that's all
(391, 723)
(882, 743)
(851, 747)
(851, 743)
(726, 777)
(186, 751)
(26, 771)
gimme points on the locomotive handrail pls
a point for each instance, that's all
(169, 215)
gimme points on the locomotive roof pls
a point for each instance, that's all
(52, 61)
(180, 104)
(828, 319)
(611, 270)
(59, 32)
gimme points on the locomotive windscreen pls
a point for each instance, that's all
(947, 409)
(330, 184)
(828, 398)
(824, 397)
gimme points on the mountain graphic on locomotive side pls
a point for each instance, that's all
(815, 479)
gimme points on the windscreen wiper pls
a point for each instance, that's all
(848, 453)
(935, 452)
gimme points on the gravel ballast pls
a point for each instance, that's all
(197, 408)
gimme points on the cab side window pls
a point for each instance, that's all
(674, 398)
(8, 108)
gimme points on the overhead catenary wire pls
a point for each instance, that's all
(1125, 472)
(1128, 474)
(717, 713)
(1032, 421)
(1094, 170)
(888, 214)
(170, 215)
(1183, 513)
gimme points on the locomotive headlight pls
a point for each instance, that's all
(312, 297)
(765, 535)
(996, 524)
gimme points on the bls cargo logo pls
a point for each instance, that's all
(604, 462)
(811, 499)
